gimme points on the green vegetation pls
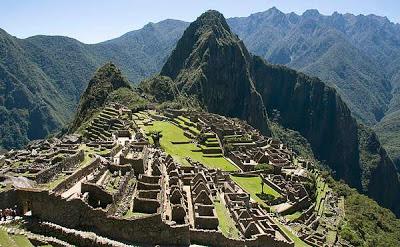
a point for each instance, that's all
(8, 240)
(128, 98)
(160, 88)
(366, 223)
(5, 239)
(180, 151)
(294, 140)
(22, 241)
(43, 76)
(253, 186)
(322, 189)
(226, 223)
(293, 216)
(265, 167)
(130, 214)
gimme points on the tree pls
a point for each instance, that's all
(262, 185)
(156, 136)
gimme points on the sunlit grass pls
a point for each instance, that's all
(179, 152)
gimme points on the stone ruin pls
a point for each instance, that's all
(114, 184)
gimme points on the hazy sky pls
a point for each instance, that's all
(92, 21)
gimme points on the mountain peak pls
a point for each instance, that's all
(211, 20)
(211, 62)
(274, 10)
(105, 80)
(311, 13)
(209, 28)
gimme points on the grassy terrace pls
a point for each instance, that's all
(185, 122)
(130, 214)
(322, 189)
(226, 223)
(171, 132)
(7, 240)
(293, 216)
(253, 186)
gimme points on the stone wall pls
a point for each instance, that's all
(125, 168)
(115, 150)
(97, 196)
(8, 199)
(77, 214)
(76, 176)
(46, 175)
(216, 238)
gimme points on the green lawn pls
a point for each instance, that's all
(171, 132)
(5, 239)
(131, 214)
(322, 189)
(253, 186)
(22, 241)
(293, 216)
(226, 223)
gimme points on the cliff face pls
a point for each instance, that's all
(315, 110)
(213, 64)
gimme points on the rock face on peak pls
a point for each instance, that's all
(211, 63)
(106, 80)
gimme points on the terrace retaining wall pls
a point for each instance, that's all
(216, 238)
(76, 176)
(46, 175)
(77, 214)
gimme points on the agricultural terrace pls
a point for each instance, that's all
(172, 134)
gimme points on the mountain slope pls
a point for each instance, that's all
(357, 55)
(42, 77)
(106, 80)
(340, 49)
(211, 63)
(30, 105)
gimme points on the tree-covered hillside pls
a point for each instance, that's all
(43, 77)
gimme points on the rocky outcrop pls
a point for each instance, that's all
(211, 63)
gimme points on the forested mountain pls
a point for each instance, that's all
(212, 63)
(42, 77)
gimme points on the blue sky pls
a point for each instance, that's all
(92, 21)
